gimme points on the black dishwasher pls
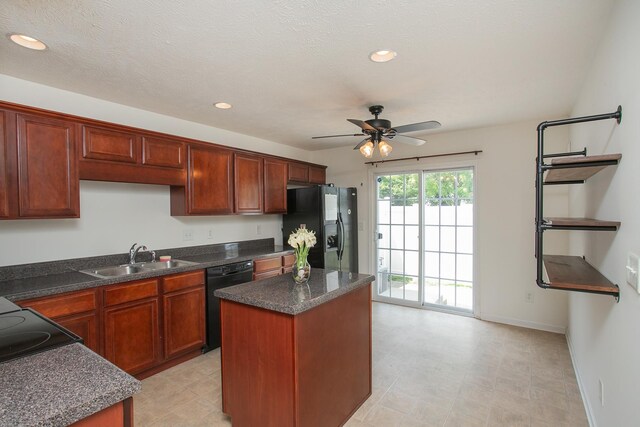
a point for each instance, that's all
(218, 278)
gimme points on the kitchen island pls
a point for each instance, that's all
(296, 355)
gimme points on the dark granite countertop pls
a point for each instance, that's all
(56, 277)
(60, 386)
(281, 294)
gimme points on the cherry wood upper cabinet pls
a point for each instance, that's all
(112, 145)
(121, 154)
(248, 181)
(163, 152)
(275, 186)
(4, 168)
(298, 172)
(303, 173)
(48, 183)
(317, 175)
(209, 189)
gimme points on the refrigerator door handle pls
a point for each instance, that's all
(341, 238)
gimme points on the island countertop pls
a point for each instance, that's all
(282, 295)
(60, 386)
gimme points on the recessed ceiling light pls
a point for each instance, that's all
(222, 105)
(382, 55)
(28, 42)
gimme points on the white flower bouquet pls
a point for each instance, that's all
(301, 241)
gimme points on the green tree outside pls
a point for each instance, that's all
(444, 188)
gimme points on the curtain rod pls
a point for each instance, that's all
(424, 157)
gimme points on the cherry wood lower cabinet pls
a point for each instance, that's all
(143, 326)
(132, 325)
(77, 311)
(140, 316)
(310, 369)
(118, 415)
(184, 314)
(272, 266)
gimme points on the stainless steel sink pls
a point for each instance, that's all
(141, 267)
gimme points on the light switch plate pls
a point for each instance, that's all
(633, 267)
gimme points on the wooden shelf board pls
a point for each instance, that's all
(574, 273)
(580, 222)
(578, 172)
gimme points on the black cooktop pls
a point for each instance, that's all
(24, 332)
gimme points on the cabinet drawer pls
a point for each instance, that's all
(272, 273)
(182, 281)
(64, 305)
(288, 260)
(266, 264)
(130, 292)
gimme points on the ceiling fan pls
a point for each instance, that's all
(379, 132)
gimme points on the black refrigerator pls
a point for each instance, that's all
(332, 213)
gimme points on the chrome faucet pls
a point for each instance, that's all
(133, 252)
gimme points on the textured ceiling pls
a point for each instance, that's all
(295, 69)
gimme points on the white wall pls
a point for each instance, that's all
(113, 215)
(603, 335)
(505, 174)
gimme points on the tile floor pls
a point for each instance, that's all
(429, 369)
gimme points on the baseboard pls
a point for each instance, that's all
(524, 323)
(585, 400)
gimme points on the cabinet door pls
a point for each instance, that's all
(184, 321)
(317, 175)
(85, 326)
(275, 186)
(107, 144)
(132, 335)
(248, 183)
(4, 172)
(298, 172)
(48, 184)
(210, 181)
(162, 152)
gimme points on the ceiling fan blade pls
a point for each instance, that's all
(363, 125)
(411, 140)
(336, 136)
(414, 127)
(364, 141)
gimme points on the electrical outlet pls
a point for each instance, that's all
(259, 230)
(601, 393)
(633, 266)
(210, 234)
(528, 297)
(360, 226)
(187, 235)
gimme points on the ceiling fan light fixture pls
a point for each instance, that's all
(384, 148)
(384, 55)
(28, 42)
(367, 149)
(222, 105)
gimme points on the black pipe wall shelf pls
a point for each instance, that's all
(570, 273)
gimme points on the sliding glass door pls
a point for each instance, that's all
(424, 226)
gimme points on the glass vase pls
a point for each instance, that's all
(301, 272)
